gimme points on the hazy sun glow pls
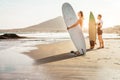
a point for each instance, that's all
(23, 13)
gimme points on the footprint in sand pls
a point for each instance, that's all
(117, 63)
(87, 57)
(92, 61)
(103, 58)
(107, 48)
(107, 58)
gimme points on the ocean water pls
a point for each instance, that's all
(12, 51)
(27, 44)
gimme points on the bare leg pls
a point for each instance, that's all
(100, 40)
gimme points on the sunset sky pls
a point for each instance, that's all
(24, 13)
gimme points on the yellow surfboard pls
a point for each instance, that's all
(92, 30)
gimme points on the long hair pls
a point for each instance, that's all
(81, 14)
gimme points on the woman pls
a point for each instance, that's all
(99, 31)
(79, 21)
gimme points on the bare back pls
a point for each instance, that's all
(80, 21)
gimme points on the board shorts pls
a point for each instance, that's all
(99, 32)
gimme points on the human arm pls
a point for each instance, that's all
(74, 25)
(100, 24)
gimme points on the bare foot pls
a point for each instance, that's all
(99, 47)
(102, 46)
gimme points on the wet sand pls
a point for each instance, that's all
(55, 62)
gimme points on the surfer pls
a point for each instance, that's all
(99, 31)
(79, 21)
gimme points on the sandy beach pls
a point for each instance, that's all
(36, 43)
(55, 62)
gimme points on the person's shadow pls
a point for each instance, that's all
(55, 58)
(59, 57)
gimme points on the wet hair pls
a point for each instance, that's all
(81, 13)
(100, 15)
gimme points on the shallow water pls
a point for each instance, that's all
(15, 65)
(24, 45)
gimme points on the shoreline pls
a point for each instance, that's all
(64, 46)
(54, 61)
(67, 39)
(99, 64)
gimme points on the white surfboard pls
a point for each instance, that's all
(76, 33)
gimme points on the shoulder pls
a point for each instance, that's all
(101, 21)
(80, 20)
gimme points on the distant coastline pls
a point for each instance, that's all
(54, 25)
